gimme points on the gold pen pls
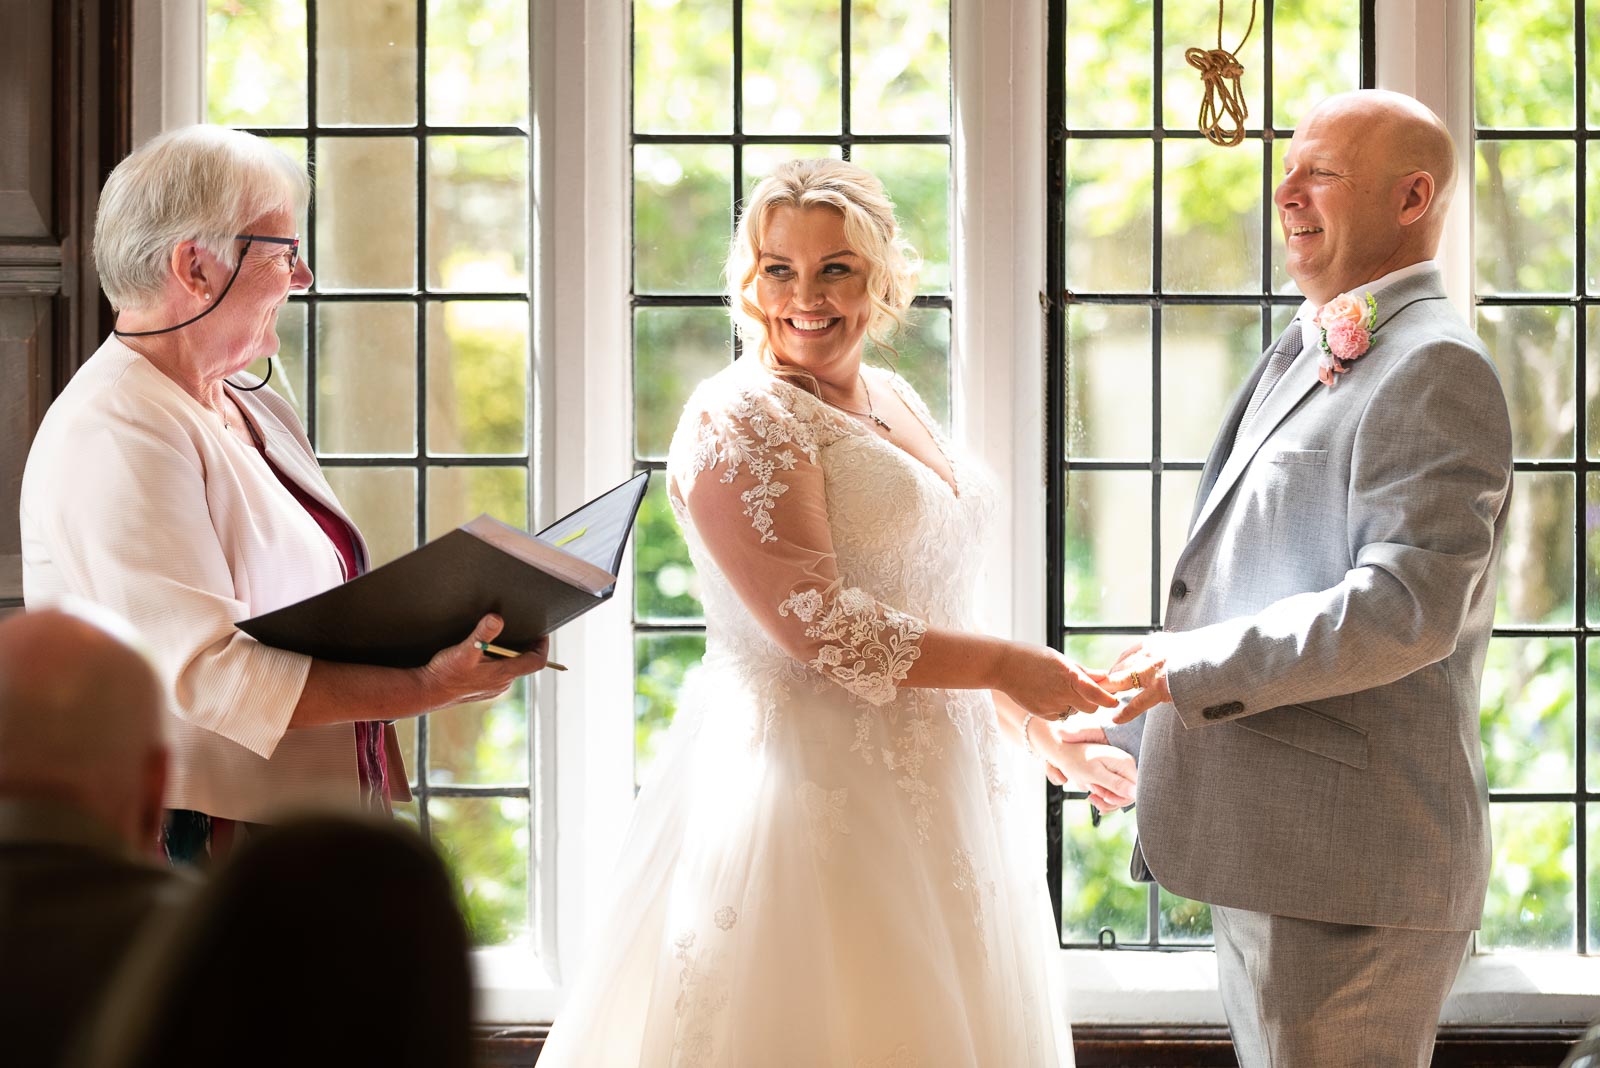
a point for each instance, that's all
(504, 653)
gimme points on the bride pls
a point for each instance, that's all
(820, 871)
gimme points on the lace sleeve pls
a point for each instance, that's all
(753, 489)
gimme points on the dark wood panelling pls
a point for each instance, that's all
(25, 346)
(27, 119)
(65, 100)
(1172, 1047)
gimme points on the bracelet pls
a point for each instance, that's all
(1027, 742)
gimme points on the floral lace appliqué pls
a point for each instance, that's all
(825, 816)
(902, 1057)
(967, 883)
(702, 995)
(869, 648)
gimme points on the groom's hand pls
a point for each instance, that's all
(1141, 667)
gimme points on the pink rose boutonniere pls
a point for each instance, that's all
(1346, 325)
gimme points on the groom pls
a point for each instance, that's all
(1310, 765)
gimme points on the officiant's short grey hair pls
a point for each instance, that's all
(196, 183)
(869, 226)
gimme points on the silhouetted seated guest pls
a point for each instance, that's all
(323, 940)
(82, 769)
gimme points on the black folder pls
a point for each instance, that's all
(402, 613)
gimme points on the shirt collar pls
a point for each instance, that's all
(1308, 311)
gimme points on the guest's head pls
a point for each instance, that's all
(81, 719)
(817, 266)
(167, 241)
(1366, 186)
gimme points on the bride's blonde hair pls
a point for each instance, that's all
(869, 226)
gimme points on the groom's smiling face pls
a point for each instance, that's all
(1334, 203)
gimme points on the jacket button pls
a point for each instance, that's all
(1232, 708)
(1180, 589)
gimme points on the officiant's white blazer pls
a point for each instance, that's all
(137, 498)
(1331, 612)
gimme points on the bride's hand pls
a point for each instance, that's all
(1044, 682)
(1083, 758)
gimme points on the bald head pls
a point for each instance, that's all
(1403, 135)
(1366, 187)
(81, 719)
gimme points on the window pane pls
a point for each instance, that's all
(1536, 573)
(922, 358)
(1108, 548)
(1185, 922)
(478, 213)
(899, 67)
(1594, 876)
(1206, 353)
(1529, 714)
(1110, 190)
(1523, 64)
(256, 62)
(917, 179)
(1527, 219)
(477, 62)
(1591, 360)
(383, 503)
(1593, 736)
(366, 378)
(666, 587)
(485, 742)
(1109, 69)
(1096, 891)
(367, 63)
(661, 662)
(485, 842)
(1592, 206)
(1109, 394)
(1186, 26)
(792, 62)
(1592, 66)
(1530, 902)
(1281, 282)
(366, 213)
(682, 217)
(459, 494)
(674, 350)
(478, 377)
(683, 67)
(1536, 352)
(406, 731)
(1297, 85)
(1211, 229)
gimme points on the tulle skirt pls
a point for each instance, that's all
(808, 880)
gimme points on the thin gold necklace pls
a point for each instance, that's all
(870, 413)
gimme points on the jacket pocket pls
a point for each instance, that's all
(1315, 732)
(1310, 457)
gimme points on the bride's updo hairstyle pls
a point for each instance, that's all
(869, 226)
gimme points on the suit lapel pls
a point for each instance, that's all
(1225, 436)
(1296, 384)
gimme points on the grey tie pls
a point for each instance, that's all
(1290, 342)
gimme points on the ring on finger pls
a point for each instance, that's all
(1135, 676)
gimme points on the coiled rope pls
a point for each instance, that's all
(1221, 71)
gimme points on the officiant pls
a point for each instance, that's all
(168, 486)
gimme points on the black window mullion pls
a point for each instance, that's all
(1056, 370)
(1581, 454)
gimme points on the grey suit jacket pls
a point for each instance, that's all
(1327, 624)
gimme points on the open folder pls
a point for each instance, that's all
(400, 614)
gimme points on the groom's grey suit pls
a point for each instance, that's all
(1329, 616)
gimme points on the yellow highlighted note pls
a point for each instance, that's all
(574, 536)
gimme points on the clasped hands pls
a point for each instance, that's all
(1081, 755)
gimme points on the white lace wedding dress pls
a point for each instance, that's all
(820, 870)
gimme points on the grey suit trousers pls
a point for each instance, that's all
(1307, 994)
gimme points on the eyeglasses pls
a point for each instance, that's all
(292, 242)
